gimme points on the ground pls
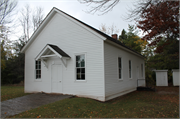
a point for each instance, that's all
(11, 91)
(164, 103)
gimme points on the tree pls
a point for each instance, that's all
(160, 20)
(6, 46)
(13, 71)
(25, 21)
(132, 40)
(168, 58)
(37, 17)
(3, 56)
(123, 36)
(103, 6)
(6, 9)
(30, 21)
(109, 30)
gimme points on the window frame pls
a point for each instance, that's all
(130, 69)
(142, 70)
(80, 80)
(119, 68)
(37, 64)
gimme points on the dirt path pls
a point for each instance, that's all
(17, 105)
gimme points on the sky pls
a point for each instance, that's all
(78, 10)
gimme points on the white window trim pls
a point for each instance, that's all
(39, 79)
(121, 68)
(85, 54)
(142, 70)
(131, 69)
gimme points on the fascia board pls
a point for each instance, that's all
(40, 54)
(49, 17)
(121, 47)
(44, 49)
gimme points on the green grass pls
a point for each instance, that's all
(137, 104)
(9, 92)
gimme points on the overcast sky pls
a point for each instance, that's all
(77, 10)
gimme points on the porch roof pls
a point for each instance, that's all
(52, 50)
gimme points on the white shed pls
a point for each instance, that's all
(176, 80)
(161, 77)
(67, 56)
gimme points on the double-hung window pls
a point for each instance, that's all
(80, 67)
(120, 67)
(130, 75)
(38, 69)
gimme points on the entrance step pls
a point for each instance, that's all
(142, 88)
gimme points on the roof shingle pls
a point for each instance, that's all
(58, 50)
(101, 33)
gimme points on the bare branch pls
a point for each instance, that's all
(37, 17)
(30, 20)
(102, 6)
(6, 9)
(109, 30)
(25, 21)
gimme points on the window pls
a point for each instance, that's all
(80, 67)
(38, 69)
(120, 67)
(130, 69)
(142, 70)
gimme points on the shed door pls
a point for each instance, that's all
(56, 79)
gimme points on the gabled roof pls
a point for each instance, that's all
(50, 51)
(55, 10)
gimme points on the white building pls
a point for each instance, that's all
(67, 56)
(176, 74)
(161, 77)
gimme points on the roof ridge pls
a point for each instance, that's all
(92, 28)
(100, 32)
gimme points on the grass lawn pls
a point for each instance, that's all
(9, 92)
(138, 104)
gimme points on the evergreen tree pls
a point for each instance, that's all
(123, 36)
(131, 39)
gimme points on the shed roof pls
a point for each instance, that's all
(50, 51)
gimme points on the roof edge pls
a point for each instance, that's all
(56, 10)
(41, 26)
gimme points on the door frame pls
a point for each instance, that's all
(58, 90)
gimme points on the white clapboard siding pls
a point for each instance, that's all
(72, 39)
(113, 86)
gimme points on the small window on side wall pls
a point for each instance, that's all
(120, 67)
(142, 70)
(38, 69)
(130, 65)
(80, 67)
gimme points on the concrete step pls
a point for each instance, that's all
(143, 88)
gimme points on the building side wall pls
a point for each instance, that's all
(113, 85)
